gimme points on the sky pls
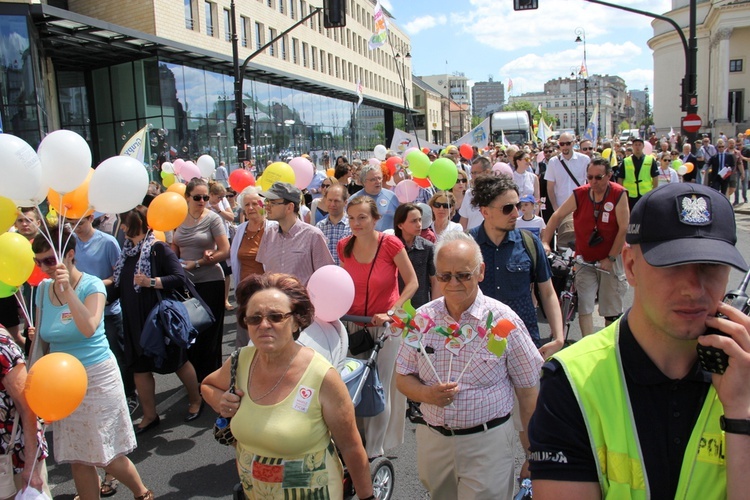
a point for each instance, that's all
(483, 38)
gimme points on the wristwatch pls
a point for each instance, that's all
(613, 258)
(735, 425)
(152, 282)
(391, 312)
(197, 264)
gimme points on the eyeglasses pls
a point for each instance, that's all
(597, 177)
(325, 185)
(199, 197)
(507, 209)
(719, 147)
(47, 261)
(446, 277)
(275, 203)
(666, 159)
(587, 149)
(230, 196)
(275, 318)
(547, 152)
(566, 143)
(441, 205)
(462, 181)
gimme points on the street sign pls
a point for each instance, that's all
(692, 123)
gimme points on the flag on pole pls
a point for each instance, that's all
(539, 108)
(360, 93)
(543, 131)
(592, 129)
(136, 146)
(510, 85)
(584, 71)
(380, 36)
(505, 141)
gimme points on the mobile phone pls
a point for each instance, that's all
(713, 359)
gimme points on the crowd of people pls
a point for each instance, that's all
(472, 260)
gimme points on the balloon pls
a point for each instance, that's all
(240, 179)
(119, 183)
(167, 211)
(502, 169)
(37, 276)
(331, 290)
(177, 165)
(443, 173)
(55, 386)
(421, 182)
(647, 148)
(392, 163)
(747, 132)
(419, 163)
(160, 236)
(682, 170)
(190, 171)
(16, 259)
(689, 167)
(66, 160)
(407, 191)
(20, 169)
(206, 165)
(676, 163)
(167, 167)
(374, 162)
(304, 171)
(540, 157)
(425, 150)
(74, 204)
(177, 187)
(330, 172)
(7, 290)
(467, 153)
(168, 179)
(277, 172)
(8, 213)
(406, 153)
(380, 152)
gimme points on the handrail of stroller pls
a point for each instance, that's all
(356, 319)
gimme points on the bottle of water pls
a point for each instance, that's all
(221, 422)
(525, 492)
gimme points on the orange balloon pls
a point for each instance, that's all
(167, 211)
(55, 386)
(75, 204)
(177, 187)
(689, 166)
(330, 172)
(160, 236)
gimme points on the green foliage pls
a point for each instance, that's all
(624, 125)
(527, 106)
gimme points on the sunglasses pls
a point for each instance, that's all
(567, 143)
(446, 277)
(597, 177)
(275, 318)
(462, 181)
(587, 149)
(199, 197)
(666, 159)
(47, 261)
(325, 185)
(441, 205)
(507, 209)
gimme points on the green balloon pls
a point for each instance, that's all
(7, 290)
(443, 173)
(419, 164)
(676, 164)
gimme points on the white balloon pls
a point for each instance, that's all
(206, 165)
(380, 152)
(66, 160)
(36, 199)
(167, 167)
(682, 170)
(118, 184)
(20, 168)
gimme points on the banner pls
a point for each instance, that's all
(479, 136)
(592, 129)
(403, 141)
(543, 132)
(360, 93)
(380, 26)
(136, 146)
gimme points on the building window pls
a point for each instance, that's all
(243, 26)
(330, 64)
(283, 42)
(291, 8)
(322, 61)
(304, 54)
(295, 51)
(227, 26)
(313, 58)
(281, 6)
(272, 47)
(189, 14)
(565, 104)
(735, 66)
(259, 31)
(209, 19)
(557, 104)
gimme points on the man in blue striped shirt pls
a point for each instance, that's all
(336, 225)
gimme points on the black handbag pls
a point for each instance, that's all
(222, 431)
(199, 313)
(361, 340)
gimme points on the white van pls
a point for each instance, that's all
(629, 134)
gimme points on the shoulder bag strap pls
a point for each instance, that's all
(233, 370)
(569, 172)
(14, 433)
(372, 266)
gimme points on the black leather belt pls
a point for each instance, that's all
(445, 431)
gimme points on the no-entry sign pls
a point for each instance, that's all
(692, 123)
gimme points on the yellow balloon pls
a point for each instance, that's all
(276, 172)
(160, 236)
(167, 211)
(168, 179)
(16, 259)
(8, 213)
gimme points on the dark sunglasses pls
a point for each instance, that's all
(446, 277)
(666, 159)
(198, 197)
(567, 143)
(325, 185)
(587, 149)
(597, 177)
(230, 195)
(462, 181)
(275, 318)
(507, 209)
(47, 261)
(441, 205)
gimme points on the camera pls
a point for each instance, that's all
(595, 238)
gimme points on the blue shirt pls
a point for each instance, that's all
(98, 257)
(508, 274)
(387, 203)
(334, 233)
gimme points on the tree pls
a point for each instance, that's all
(527, 106)
(624, 125)
(476, 120)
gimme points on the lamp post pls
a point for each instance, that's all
(581, 38)
(574, 74)
(398, 58)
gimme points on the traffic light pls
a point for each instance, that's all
(525, 4)
(334, 13)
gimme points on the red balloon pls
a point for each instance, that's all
(37, 275)
(392, 163)
(425, 150)
(467, 153)
(425, 183)
(240, 179)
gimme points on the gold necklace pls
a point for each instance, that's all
(252, 370)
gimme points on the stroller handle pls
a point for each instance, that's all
(357, 319)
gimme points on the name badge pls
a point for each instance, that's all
(303, 399)
(605, 217)
(66, 316)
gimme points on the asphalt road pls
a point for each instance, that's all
(178, 460)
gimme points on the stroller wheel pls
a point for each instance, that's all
(382, 473)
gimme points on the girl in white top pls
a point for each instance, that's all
(523, 176)
(667, 174)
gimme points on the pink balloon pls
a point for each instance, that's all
(190, 171)
(540, 157)
(303, 172)
(406, 191)
(177, 165)
(374, 162)
(648, 148)
(501, 168)
(331, 291)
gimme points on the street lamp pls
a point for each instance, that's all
(574, 74)
(581, 37)
(398, 58)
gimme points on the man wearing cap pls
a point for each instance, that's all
(290, 246)
(630, 412)
(386, 201)
(638, 174)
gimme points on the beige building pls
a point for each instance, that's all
(460, 119)
(723, 84)
(428, 108)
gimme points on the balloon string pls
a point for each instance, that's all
(22, 306)
(36, 454)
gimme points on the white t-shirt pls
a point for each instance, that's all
(535, 225)
(668, 176)
(471, 213)
(564, 185)
(525, 182)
